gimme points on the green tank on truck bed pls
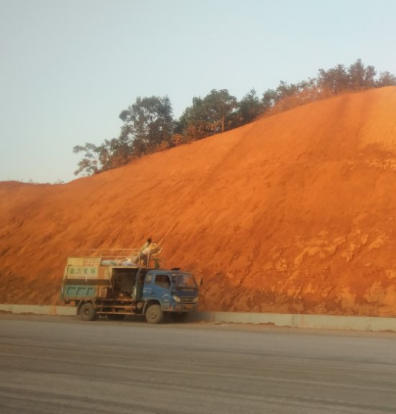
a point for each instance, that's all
(107, 284)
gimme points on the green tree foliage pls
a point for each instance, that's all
(193, 123)
(208, 116)
(385, 79)
(249, 109)
(340, 79)
(111, 154)
(269, 99)
(361, 77)
(219, 106)
(333, 81)
(90, 164)
(286, 96)
(149, 125)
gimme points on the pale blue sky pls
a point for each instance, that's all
(69, 67)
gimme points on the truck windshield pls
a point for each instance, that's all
(184, 281)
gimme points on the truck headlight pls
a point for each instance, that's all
(176, 298)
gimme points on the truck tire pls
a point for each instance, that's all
(88, 312)
(178, 316)
(154, 314)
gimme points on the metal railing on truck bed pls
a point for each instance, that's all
(115, 257)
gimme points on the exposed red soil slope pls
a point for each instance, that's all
(293, 213)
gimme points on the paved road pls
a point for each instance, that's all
(52, 365)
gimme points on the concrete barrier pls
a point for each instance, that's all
(39, 310)
(354, 323)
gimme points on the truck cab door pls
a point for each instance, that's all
(148, 286)
(161, 290)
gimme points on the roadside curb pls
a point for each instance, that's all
(354, 323)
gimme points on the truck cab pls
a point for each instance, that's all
(174, 291)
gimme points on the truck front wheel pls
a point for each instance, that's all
(154, 314)
(87, 312)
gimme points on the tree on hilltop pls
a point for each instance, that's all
(210, 115)
(249, 109)
(149, 125)
(355, 78)
(361, 77)
(386, 79)
(333, 81)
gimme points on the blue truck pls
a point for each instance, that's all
(105, 285)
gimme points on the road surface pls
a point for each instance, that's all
(52, 365)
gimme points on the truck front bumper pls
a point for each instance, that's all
(183, 307)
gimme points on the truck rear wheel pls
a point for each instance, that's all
(154, 314)
(88, 312)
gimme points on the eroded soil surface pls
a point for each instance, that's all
(294, 213)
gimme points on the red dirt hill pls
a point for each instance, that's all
(293, 213)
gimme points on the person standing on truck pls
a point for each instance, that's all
(145, 250)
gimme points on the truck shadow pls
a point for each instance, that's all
(141, 319)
